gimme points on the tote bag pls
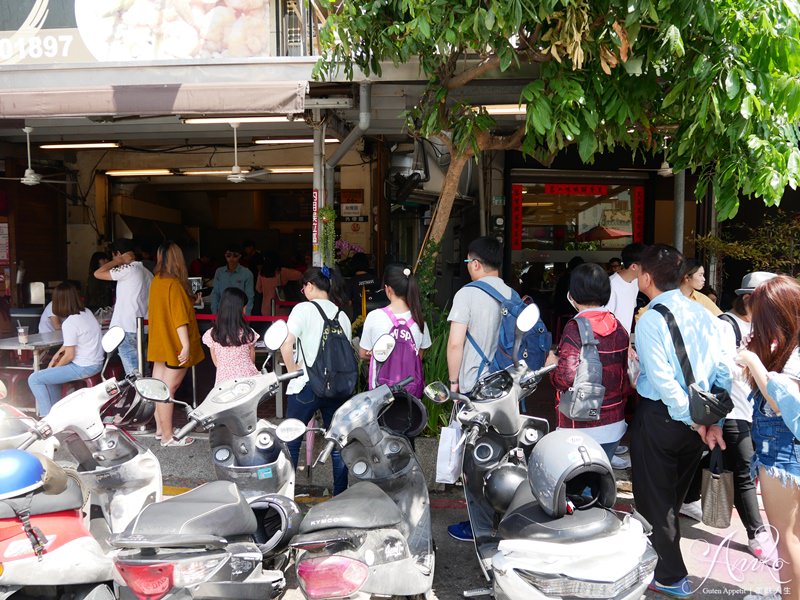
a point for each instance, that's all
(717, 492)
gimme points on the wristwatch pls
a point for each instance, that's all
(453, 382)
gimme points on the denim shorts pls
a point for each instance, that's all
(776, 448)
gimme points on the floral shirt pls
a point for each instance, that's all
(232, 361)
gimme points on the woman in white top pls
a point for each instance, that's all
(405, 305)
(81, 354)
(325, 288)
(48, 322)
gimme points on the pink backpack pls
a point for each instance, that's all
(404, 360)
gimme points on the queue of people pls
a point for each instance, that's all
(753, 351)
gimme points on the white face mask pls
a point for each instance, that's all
(572, 303)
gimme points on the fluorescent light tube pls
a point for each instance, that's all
(78, 145)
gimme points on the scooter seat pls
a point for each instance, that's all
(525, 519)
(216, 508)
(361, 506)
(41, 504)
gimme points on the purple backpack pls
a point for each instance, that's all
(404, 361)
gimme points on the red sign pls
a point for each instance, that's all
(315, 217)
(516, 217)
(575, 189)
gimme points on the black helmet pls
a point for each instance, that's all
(563, 465)
(278, 519)
(501, 483)
(406, 416)
(129, 413)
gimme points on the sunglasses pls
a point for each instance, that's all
(232, 255)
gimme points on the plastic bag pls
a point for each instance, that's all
(103, 315)
(449, 454)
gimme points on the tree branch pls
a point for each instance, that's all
(486, 141)
(463, 78)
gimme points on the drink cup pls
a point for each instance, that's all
(22, 334)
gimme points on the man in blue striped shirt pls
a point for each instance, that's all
(666, 446)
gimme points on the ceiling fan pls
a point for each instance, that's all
(236, 175)
(31, 177)
(664, 170)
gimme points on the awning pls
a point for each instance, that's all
(276, 97)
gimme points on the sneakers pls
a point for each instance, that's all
(620, 462)
(681, 589)
(763, 547)
(173, 443)
(621, 450)
(461, 531)
(693, 510)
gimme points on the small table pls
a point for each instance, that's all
(38, 343)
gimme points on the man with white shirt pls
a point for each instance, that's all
(625, 286)
(133, 291)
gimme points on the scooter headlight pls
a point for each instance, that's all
(559, 585)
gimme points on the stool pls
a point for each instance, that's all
(71, 386)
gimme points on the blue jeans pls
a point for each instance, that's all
(610, 448)
(46, 384)
(128, 354)
(302, 406)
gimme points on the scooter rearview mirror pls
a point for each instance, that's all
(437, 392)
(383, 348)
(290, 429)
(113, 338)
(276, 335)
(152, 389)
(528, 318)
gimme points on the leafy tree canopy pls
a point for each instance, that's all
(718, 78)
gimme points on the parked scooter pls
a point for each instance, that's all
(227, 538)
(375, 537)
(68, 555)
(541, 504)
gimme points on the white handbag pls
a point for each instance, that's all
(449, 454)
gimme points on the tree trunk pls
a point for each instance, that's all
(446, 198)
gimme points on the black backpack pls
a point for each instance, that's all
(736, 331)
(335, 370)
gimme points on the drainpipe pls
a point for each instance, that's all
(679, 196)
(364, 118)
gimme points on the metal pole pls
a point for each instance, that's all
(714, 272)
(679, 196)
(140, 344)
(317, 199)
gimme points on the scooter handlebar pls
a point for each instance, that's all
(400, 385)
(186, 430)
(326, 452)
(292, 375)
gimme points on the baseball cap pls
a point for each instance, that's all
(752, 280)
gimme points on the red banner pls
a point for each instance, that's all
(575, 189)
(516, 217)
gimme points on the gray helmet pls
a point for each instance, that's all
(501, 483)
(563, 465)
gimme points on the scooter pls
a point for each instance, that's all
(541, 504)
(227, 538)
(115, 477)
(375, 537)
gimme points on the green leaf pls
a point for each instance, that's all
(746, 109)
(488, 20)
(424, 27)
(732, 84)
(673, 94)
(587, 145)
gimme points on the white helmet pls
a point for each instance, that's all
(563, 465)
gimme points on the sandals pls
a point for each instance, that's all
(158, 436)
(177, 443)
